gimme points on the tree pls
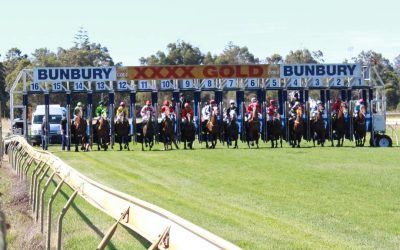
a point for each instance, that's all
(233, 54)
(302, 56)
(274, 59)
(179, 53)
(397, 64)
(45, 58)
(3, 93)
(386, 71)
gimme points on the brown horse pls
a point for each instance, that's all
(253, 129)
(297, 128)
(102, 133)
(339, 125)
(275, 131)
(188, 132)
(122, 132)
(360, 128)
(212, 129)
(167, 129)
(148, 132)
(78, 132)
(232, 129)
(318, 129)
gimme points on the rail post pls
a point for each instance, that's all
(62, 214)
(49, 206)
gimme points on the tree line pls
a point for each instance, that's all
(84, 52)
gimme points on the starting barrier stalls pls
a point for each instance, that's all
(261, 79)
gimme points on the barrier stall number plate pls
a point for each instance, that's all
(273, 83)
(337, 82)
(317, 82)
(208, 84)
(79, 86)
(187, 84)
(34, 86)
(252, 83)
(101, 86)
(144, 85)
(294, 83)
(358, 82)
(231, 83)
(122, 85)
(166, 84)
(56, 86)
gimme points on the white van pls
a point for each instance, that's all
(55, 115)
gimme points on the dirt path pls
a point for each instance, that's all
(21, 231)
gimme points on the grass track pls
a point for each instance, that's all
(282, 198)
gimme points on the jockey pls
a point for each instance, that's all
(294, 99)
(78, 110)
(319, 106)
(360, 103)
(254, 104)
(206, 111)
(232, 107)
(272, 110)
(187, 111)
(122, 110)
(101, 109)
(167, 107)
(293, 110)
(144, 112)
(336, 106)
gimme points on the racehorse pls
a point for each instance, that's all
(188, 132)
(339, 125)
(167, 129)
(275, 131)
(122, 132)
(297, 128)
(253, 129)
(232, 129)
(148, 132)
(360, 129)
(102, 128)
(78, 132)
(318, 129)
(212, 129)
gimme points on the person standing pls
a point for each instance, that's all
(63, 128)
(44, 132)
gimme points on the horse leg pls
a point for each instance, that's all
(143, 143)
(176, 145)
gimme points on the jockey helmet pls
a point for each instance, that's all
(148, 102)
(361, 100)
(296, 94)
(213, 102)
(272, 102)
(122, 104)
(166, 103)
(232, 102)
(101, 103)
(187, 105)
(296, 104)
(253, 99)
(319, 102)
(338, 99)
(79, 104)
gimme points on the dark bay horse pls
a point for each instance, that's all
(78, 132)
(360, 128)
(188, 132)
(232, 129)
(148, 132)
(339, 125)
(212, 128)
(253, 129)
(167, 130)
(318, 128)
(102, 129)
(275, 131)
(297, 128)
(122, 132)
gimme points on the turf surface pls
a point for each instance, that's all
(268, 198)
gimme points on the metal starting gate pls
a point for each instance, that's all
(349, 79)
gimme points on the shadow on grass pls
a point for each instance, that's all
(95, 229)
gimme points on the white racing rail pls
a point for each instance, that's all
(163, 229)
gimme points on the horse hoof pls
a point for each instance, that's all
(298, 146)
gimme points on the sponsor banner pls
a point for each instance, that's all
(320, 70)
(75, 74)
(197, 72)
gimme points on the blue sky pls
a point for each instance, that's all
(131, 29)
